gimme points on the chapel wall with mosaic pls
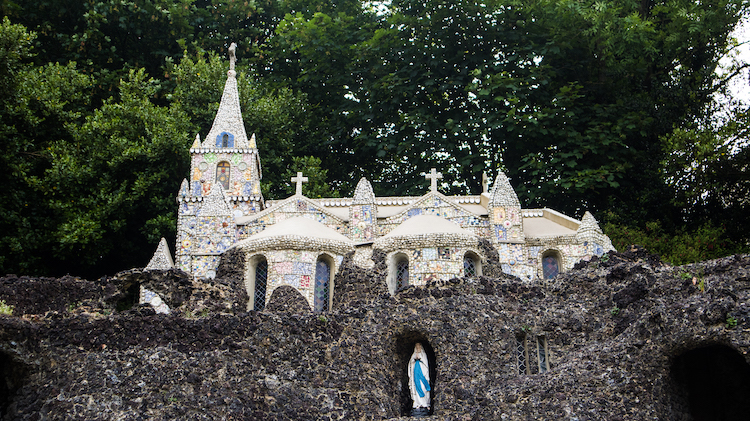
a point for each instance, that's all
(295, 268)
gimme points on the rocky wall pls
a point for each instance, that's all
(627, 337)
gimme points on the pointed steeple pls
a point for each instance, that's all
(589, 227)
(162, 259)
(503, 193)
(505, 212)
(591, 235)
(196, 142)
(228, 121)
(363, 194)
(184, 190)
(215, 203)
(363, 213)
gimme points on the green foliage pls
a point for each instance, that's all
(685, 245)
(6, 309)
(731, 322)
(614, 311)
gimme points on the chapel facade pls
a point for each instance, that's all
(301, 242)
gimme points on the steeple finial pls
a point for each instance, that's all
(232, 56)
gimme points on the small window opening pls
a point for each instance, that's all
(225, 140)
(402, 273)
(261, 277)
(470, 266)
(322, 285)
(222, 174)
(532, 356)
(542, 355)
(550, 266)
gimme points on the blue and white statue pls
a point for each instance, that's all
(419, 381)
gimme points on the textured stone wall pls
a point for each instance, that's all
(626, 336)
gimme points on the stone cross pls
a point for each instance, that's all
(299, 179)
(485, 182)
(433, 176)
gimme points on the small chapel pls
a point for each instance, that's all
(301, 242)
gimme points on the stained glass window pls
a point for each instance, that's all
(402, 274)
(322, 290)
(225, 140)
(550, 267)
(222, 174)
(470, 266)
(261, 275)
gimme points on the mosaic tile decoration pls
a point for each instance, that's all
(154, 300)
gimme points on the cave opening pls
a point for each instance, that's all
(715, 383)
(12, 376)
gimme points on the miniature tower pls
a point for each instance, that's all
(363, 213)
(226, 167)
(505, 212)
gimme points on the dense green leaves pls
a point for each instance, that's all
(587, 105)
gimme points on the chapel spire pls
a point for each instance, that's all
(228, 130)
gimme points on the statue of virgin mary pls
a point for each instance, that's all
(419, 381)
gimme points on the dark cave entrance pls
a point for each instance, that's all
(404, 348)
(12, 376)
(715, 382)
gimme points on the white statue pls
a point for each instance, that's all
(419, 381)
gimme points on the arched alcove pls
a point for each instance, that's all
(404, 347)
(12, 375)
(713, 383)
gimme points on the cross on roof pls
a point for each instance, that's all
(299, 179)
(433, 176)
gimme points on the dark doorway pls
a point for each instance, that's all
(12, 375)
(716, 382)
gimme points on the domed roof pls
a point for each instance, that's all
(426, 231)
(298, 233)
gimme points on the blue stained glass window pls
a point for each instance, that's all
(225, 140)
(322, 289)
(261, 275)
(550, 267)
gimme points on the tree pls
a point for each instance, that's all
(112, 187)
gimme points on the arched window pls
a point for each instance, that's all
(471, 265)
(322, 285)
(550, 266)
(225, 140)
(222, 174)
(261, 276)
(402, 273)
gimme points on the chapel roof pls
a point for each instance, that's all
(426, 231)
(298, 233)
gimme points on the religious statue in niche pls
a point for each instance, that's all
(419, 382)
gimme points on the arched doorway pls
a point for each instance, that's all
(713, 383)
